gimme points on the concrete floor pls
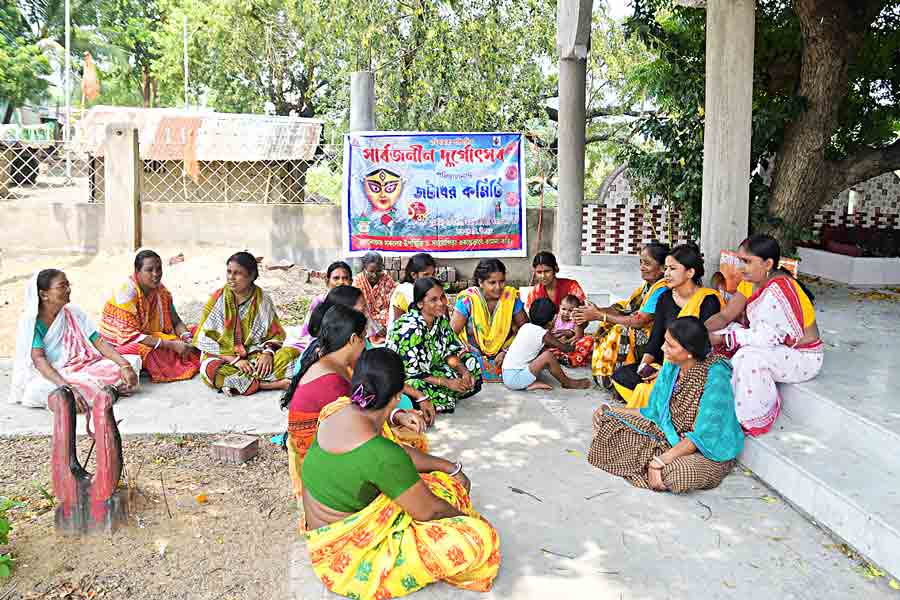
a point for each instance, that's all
(582, 533)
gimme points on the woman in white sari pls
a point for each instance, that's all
(56, 344)
(781, 342)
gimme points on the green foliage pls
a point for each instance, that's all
(670, 164)
(22, 65)
(473, 66)
(130, 26)
(439, 65)
(6, 560)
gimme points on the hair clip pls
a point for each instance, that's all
(360, 398)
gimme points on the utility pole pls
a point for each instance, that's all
(186, 104)
(67, 85)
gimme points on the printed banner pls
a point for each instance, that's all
(455, 195)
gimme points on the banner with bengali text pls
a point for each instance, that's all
(454, 195)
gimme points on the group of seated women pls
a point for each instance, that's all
(382, 517)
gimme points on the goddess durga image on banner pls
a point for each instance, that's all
(383, 189)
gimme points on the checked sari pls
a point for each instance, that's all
(227, 330)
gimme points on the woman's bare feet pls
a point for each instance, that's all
(538, 385)
(576, 384)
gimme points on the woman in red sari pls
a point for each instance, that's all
(548, 285)
(140, 319)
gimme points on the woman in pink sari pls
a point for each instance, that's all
(781, 342)
(56, 345)
(377, 286)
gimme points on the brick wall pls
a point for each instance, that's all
(620, 225)
(878, 207)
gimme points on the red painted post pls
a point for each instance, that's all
(87, 504)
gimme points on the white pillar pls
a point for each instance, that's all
(362, 101)
(730, 31)
(573, 38)
(122, 179)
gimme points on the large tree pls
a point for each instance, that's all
(439, 64)
(22, 65)
(131, 26)
(826, 111)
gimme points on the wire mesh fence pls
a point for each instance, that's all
(53, 171)
(45, 170)
(317, 180)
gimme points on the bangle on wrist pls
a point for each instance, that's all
(659, 462)
(236, 360)
(393, 414)
(268, 350)
(158, 343)
(457, 470)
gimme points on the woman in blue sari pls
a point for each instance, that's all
(688, 436)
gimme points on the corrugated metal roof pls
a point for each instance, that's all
(163, 134)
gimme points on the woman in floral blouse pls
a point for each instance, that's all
(436, 362)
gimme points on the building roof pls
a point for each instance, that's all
(164, 133)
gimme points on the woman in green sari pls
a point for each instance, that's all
(240, 337)
(436, 363)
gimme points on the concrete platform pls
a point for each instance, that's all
(833, 451)
(581, 533)
(832, 455)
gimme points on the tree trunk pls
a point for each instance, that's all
(801, 182)
(7, 117)
(145, 87)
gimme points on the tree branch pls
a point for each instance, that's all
(606, 111)
(865, 165)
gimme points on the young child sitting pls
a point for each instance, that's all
(566, 330)
(526, 357)
(565, 327)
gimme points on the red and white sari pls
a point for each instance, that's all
(767, 353)
(68, 348)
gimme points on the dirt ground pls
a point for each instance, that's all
(94, 277)
(234, 545)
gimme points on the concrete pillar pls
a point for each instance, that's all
(730, 31)
(573, 37)
(362, 101)
(122, 179)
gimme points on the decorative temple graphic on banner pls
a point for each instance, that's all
(450, 194)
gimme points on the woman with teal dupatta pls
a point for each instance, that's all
(688, 436)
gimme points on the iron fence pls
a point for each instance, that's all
(46, 170)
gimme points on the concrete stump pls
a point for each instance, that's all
(88, 504)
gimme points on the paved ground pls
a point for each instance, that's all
(578, 532)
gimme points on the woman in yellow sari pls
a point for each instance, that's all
(385, 520)
(140, 319)
(240, 337)
(487, 316)
(625, 326)
(685, 297)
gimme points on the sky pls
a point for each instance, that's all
(618, 8)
